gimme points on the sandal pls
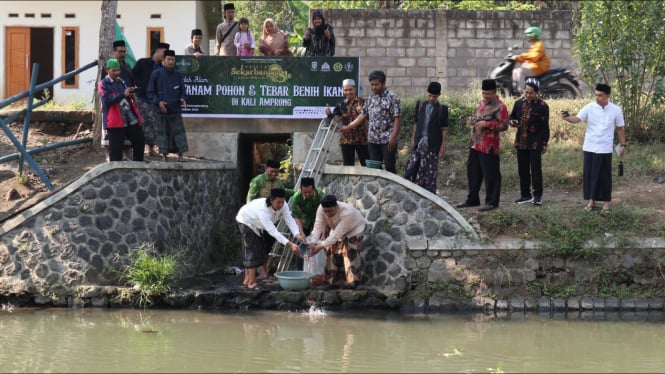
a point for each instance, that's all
(588, 208)
(605, 211)
(253, 287)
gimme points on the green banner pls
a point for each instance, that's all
(264, 87)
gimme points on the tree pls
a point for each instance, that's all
(623, 43)
(290, 16)
(106, 37)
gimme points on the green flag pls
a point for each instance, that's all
(129, 58)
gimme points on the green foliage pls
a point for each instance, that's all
(499, 221)
(567, 232)
(497, 370)
(614, 283)
(623, 43)
(493, 5)
(427, 289)
(151, 273)
(538, 289)
(22, 179)
(430, 4)
(291, 17)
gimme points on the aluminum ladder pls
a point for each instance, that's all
(312, 168)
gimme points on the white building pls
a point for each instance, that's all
(64, 35)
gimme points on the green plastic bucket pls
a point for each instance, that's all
(373, 164)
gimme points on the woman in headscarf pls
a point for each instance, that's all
(319, 40)
(273, 41)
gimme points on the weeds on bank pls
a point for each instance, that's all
(22, 179)
(537, 289)
(614, 283)
(151, 273)
(427, 289)
(72, 103)
(566, 230)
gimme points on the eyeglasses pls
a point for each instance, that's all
(121, 50)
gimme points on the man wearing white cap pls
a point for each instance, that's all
(351, 141)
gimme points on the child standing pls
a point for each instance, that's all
(244, 40)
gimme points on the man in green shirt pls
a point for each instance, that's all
(303, 208)
(304, 204)
(261, 185)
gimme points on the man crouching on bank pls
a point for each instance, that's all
(338, 228)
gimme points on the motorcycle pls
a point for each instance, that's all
(554, 83)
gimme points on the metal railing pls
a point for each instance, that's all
(23, 152)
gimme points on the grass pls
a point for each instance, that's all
(561, 225)
(72, 103)
(22, 179)
(152, 274)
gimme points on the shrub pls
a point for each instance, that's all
(152, 274)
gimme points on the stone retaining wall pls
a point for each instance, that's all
(419, 253)
(521, 279)
(397, 212)
(83, 232)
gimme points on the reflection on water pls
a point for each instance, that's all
(101, 340)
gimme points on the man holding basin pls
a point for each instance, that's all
(256, 222)
(338, 229)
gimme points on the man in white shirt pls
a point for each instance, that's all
(256, 222)
(602, 117)
(338, 228)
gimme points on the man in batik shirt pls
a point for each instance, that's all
(491, 118)
(353, 141)
(382, 110)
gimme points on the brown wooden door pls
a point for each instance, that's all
(17, 63)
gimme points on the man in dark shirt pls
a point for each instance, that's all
(142, 71)
(166, 92)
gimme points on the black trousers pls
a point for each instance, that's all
(349, 151)
(380, 152)
(529, 168)
(117, 138)
(597, 176)
(481, 166)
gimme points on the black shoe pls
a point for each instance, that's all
(486, 208)
(537, 200)
(466, 204)
(524, 200)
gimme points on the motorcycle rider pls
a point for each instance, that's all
(534, 61)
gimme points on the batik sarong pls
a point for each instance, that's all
(147, 111)
(343, 263)
(422, 166)
(171, 136)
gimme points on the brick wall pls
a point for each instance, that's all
(457, 48)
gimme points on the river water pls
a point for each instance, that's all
(101, 340)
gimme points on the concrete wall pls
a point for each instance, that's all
(455, 47)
